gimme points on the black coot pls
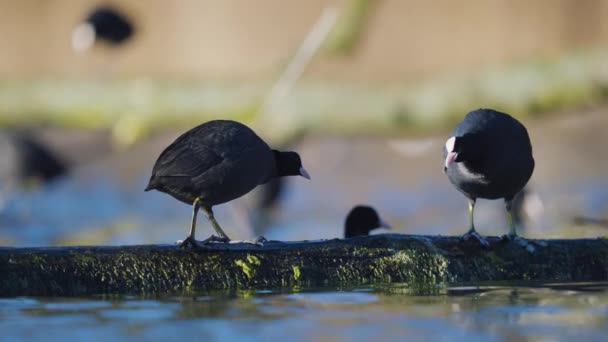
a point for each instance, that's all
(361, 220)
(37, 160)
(28, 160)
(103, 23)
(217, 162)
(489, 155)
(259, 210)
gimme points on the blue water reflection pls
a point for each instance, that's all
(389, 312)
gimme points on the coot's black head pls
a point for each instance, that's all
(289, 164)
(361, 220)
(466, 148)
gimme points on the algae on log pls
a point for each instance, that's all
(416, 260)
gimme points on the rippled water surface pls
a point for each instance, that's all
(392, 312)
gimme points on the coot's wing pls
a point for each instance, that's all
(206, 153)
(201, 149)
(186, 160)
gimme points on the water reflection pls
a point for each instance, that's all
(472, 312)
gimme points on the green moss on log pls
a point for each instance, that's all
(420, 261)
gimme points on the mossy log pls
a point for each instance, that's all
(416, 260)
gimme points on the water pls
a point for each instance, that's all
(389, 312)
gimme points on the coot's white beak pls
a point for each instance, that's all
(304, 173)
(385, 225)
(450, 159)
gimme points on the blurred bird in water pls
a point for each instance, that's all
(26, 163)
(26, 160)
(261, 207)
(102, 24)
(361, 220)
(527, 208)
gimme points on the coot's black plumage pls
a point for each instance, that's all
(217, 162)
(361, 220)
(489, 155)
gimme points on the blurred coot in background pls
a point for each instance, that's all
(26, 160)
(105, 24)
(362, 219)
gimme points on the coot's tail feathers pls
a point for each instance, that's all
(151, 185)
(159, 182)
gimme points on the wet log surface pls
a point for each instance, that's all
(412, 259)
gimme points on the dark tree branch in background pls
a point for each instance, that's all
(416, 260)
(581, 220)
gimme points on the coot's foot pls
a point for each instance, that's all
(260, 241)
(474, 235)
(213, 238)
(185, 243)
(190, 242)
(525, 243)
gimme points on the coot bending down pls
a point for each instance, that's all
(217, 162)
(361, 220)
(489, 155)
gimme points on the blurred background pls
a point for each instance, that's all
(366, 91)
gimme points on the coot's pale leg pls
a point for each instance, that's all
(190, 238)
(472, 233)
(509, 206)
(471, 215)
(209, 213)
